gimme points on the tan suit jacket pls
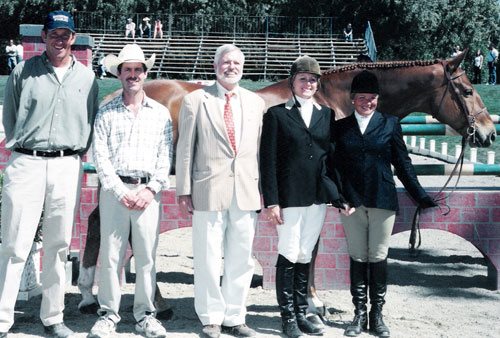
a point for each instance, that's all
(206, 166)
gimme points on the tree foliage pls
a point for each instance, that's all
(403, 29)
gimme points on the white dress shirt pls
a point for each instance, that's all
(306, 109)
(362, 121)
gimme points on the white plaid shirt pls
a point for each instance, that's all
(128, 145)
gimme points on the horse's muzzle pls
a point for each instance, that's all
(482, 141)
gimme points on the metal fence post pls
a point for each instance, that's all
(234, 28)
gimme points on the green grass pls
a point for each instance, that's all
(489, 94)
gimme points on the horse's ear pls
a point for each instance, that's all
(457, 60)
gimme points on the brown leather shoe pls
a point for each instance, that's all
(241, 330)
(211, 330)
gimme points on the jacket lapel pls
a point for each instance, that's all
(318, 115)
(374, 123)
(246, 117)
(294, 113)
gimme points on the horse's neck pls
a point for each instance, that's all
(408, 90)
(275, 94)
(403, 90)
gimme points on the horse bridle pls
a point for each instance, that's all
(471, 133)
(471, 118)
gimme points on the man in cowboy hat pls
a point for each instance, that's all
(49, 108)
(145, 28)
(132, 153)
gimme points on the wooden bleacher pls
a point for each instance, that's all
(191, 57)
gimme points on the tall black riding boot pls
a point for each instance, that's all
(378, 289)
(359, 287)
(285, 271)
(301, 282)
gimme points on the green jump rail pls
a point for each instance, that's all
(432, 129)
(430, 120)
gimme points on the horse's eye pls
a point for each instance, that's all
(468, 92)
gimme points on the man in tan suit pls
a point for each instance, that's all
(217, 179)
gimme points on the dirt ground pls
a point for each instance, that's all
(441, 293)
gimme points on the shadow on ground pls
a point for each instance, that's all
(432, 270)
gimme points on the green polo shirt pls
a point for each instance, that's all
(41, 113)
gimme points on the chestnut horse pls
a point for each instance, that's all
(439, 88)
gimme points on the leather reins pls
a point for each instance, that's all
(471, 133)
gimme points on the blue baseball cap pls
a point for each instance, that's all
(59, 19)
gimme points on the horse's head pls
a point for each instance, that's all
(459, 105)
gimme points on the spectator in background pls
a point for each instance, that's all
(101, 67)
(11, 51)
(492, 60)
(130, 28)
(145, 28)
(158, 29)
(456, 51)
(20, 52)
(348, 32)
(478, 67)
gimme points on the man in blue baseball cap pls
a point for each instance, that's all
(49, 109)
(59, 19)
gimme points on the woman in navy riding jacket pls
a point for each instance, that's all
(366, 144)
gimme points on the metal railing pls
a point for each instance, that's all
(197, 24)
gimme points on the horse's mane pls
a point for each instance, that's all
(380, 65)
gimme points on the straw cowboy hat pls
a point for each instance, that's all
(129, 53)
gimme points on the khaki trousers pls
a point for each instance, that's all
(368, 231)
(231, 230)
(32, 184)
(117, 224)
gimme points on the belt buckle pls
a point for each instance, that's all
(34, 153)
(136, 181)
(61, 153)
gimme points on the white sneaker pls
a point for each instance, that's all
(151, 327)
(104, 327)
